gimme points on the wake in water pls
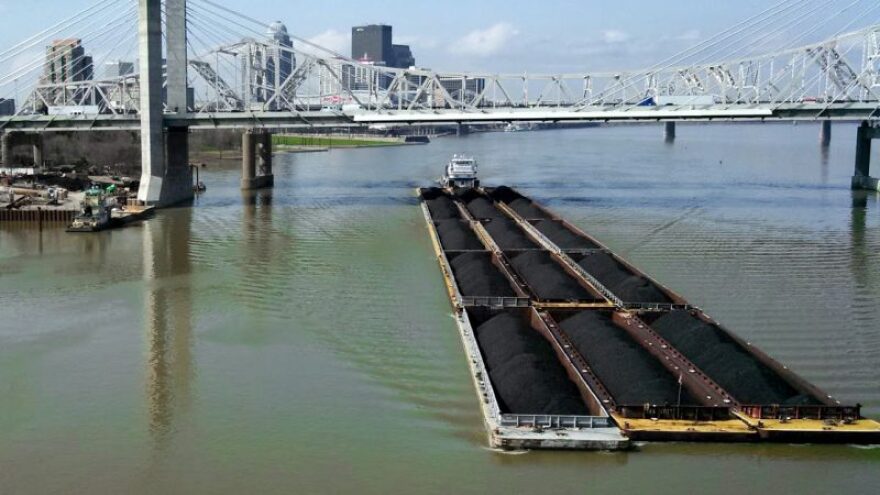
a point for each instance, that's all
(506, 452)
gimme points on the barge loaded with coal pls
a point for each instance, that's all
(572, 347)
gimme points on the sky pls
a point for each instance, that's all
(489, 35)
(498, 35)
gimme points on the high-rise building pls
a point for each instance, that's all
(117, 69)
(374, 42)
(66, 61)
(266, 65)
(279, 58)
(7, 107)
(403, 57)
(460, 88)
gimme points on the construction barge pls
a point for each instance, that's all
(572, 347)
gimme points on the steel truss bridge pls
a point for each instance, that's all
(207, 47)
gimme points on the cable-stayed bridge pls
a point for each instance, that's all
(204, 65)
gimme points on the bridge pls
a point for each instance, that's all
(203, 65)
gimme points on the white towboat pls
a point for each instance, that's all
(461, 172)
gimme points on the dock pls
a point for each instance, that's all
(570, 346)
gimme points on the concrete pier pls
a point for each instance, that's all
(166, 178)
(256, 160)
(37, 145)
(9, 140)
(6, 149)
(669, 132)
(862, 177)
(825, 134)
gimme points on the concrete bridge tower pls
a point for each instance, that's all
(165, 173)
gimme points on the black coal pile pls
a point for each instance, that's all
(442, 208)
(526, 374)
(620, 281)
(457, 235)
(481, 208)
(561, 236)
(548, 280)
(504, 194)
(737, 371)
(508, 235)
(629, 372)
(478, 277)
(527, 209)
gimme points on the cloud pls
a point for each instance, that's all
(485, 42)
(615, 36)
(331, 39)
(417, 41)
(692, 35)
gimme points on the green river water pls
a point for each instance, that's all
(301, 341)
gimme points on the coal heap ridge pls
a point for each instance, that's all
(478, 277)
(630, 373)
(508, 235)
(457, 235)
(442, 208)
(728, 364)
(562, 237)
(526, 374)
(624, 284)
(548, 280)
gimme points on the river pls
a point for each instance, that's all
(301, 341)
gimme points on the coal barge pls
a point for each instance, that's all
(572, 347)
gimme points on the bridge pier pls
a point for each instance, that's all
(825, 134)
(862, 178)
(6, 149)
(37, 144)
(256, 160)
(669, 132)
(166, 178)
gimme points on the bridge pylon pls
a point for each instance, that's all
(862, 178)
(166, 178)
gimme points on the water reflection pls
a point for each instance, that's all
(862, 201)
(257, 214)
(168, 319)
(824, 162)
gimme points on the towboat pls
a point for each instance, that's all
(461, 172)
(94, 213)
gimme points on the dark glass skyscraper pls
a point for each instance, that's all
(374, 43)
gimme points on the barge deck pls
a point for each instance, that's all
(645, 364)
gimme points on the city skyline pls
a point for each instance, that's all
(500, 36)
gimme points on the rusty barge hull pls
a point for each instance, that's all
(506, 260)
